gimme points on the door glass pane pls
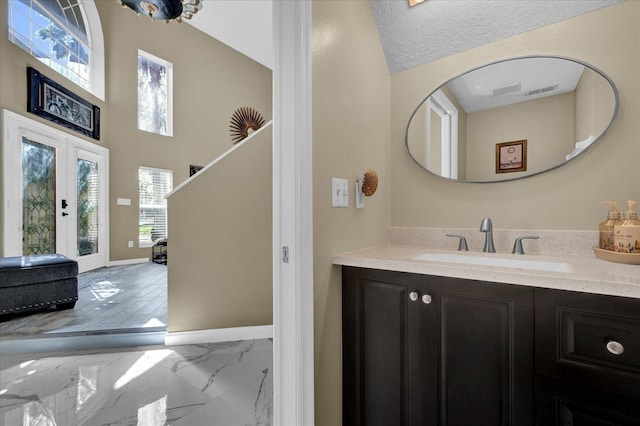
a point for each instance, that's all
(87, 207)
(38, 198)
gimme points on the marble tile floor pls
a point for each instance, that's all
(217, 384)
(116, 298)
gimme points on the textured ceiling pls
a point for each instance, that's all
(439, 28)
(409, 36)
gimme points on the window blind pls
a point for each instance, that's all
(153, 184)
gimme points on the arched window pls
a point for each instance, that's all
(66, 35)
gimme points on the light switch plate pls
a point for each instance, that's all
(339, 192)
(359, 194)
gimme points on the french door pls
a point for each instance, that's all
(55, 193)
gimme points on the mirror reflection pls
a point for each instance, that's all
(511, 119)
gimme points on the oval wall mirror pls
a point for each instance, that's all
(511, 119)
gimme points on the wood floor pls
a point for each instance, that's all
(117, 298)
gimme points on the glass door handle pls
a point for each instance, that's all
(64, 204)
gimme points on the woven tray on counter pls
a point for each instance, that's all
(614, 256)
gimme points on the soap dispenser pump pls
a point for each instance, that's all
(606, 227)
(626, 238)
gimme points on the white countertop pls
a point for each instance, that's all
(588, 274)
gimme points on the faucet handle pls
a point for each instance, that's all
(462, 244)
(517, 245)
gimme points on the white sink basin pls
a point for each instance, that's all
(496, 260)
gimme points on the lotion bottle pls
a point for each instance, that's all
(626, 238)
(607, 226)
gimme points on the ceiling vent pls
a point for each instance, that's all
(542, 90)
(507, 90)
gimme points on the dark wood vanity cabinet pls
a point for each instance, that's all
(427, 350)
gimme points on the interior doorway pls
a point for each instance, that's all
(55, 190)
(55, 200)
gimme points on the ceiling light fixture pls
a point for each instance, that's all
(415, 2)
(164, 10)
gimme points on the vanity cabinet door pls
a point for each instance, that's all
(388, 350)
(485, 339)
(455, 352)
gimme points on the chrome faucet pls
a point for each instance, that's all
(487, 227)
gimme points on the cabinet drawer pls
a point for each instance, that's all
(598, 340)
(589, 339)
(565, 404)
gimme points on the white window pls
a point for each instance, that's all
(66, 35)
(153, 184)
(155, 94)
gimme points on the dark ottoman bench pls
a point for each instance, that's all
(28, 282)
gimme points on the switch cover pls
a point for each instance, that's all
(339, 192)
(359, 194)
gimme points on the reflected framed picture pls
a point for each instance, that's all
(51, 101)
(511, 156)
(194, 169)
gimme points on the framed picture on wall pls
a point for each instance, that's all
(511, 156)
(51, 101)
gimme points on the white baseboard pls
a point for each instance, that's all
(79, 341)
(218, 335)
(127, 261)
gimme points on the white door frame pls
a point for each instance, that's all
(16, 124)
(440, 104)
(293, 391)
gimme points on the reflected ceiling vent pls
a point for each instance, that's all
(543, 90)
(507, 90)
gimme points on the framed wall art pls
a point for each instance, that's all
(511, 156)
(51, 101)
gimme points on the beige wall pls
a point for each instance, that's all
(547, 124)
(565, 198)
(220, 262)
(593, 105)
(350, 135)
(211, 81)
(417, 135)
